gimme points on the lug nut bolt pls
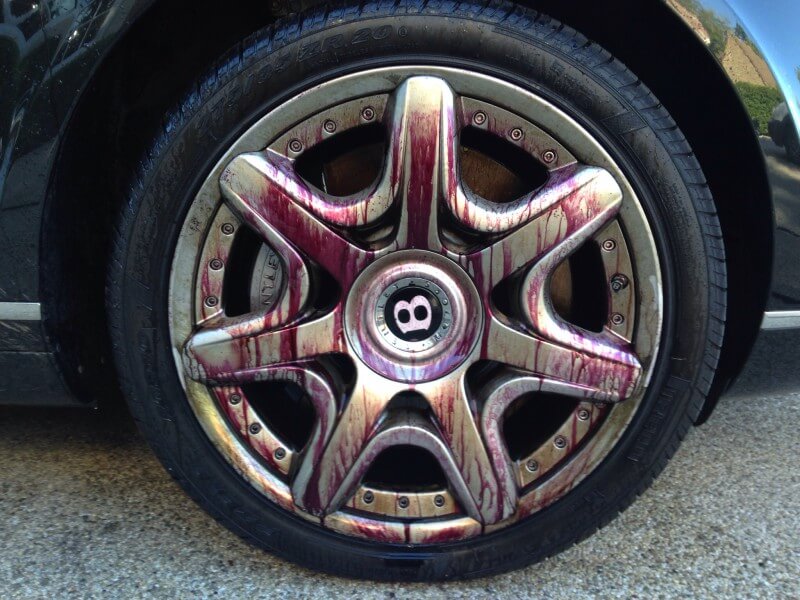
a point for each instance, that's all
(329, 126)
(609, 245)
(479, 118)
(296, 146)
(368, 497)
(532, 466)
(280, 453)
(516, 134)
(402, 502)
(438, 500)
(216, 264)
(212, 301)
(619, 282)
(228, 229)
(617, 319)
(255, 428)
(235, 399)
(560, 442)
(583, 414)
(549, 156)
(368, 113)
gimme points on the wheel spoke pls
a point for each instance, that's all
(459, 430)
(408, 429)
(501, 392)
(321, 392)
(361, 434)
(422, 156)
(264, 190)
(541, 316)
(481, 215)
(577, 203)
(320, 485)
(232, 353)
(610, 377)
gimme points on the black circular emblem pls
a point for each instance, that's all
(413, 313)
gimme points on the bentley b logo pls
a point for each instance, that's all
(414, 315)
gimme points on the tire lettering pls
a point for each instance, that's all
(333, 43)
(382, 32)
(309, 50)
(361, 36)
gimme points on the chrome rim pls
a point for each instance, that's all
(415, 304)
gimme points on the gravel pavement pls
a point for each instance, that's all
(87, 511)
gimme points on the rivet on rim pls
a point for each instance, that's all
(560, 442)
(549, 156)
(403, 502)
(516, 134)
(368, 497)
(619, 282)
(235, 399)
(295, 146)
(532, 466)
(216, 264)
(368, 113)
(617, 319)
(438, 500)
(212, 301)
(329, 126)
(228, 228)
(254, 428)
(583, 414)
(609, 245)
(479, 118)
(280, 453)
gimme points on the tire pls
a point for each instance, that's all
(507, 42)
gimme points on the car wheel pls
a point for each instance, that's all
(417, 290)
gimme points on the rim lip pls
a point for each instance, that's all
(263, 133)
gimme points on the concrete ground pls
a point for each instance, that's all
(85, 510)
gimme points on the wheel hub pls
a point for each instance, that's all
(413, 316)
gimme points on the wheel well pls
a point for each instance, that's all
(159, 57)
(120, 112)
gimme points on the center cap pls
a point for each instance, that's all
(413, 314)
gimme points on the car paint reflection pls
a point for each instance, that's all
(756, 45)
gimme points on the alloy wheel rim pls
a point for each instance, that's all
(418, 227)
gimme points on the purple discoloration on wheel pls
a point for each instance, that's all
(310, 229)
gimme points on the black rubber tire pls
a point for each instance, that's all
(506, 41)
